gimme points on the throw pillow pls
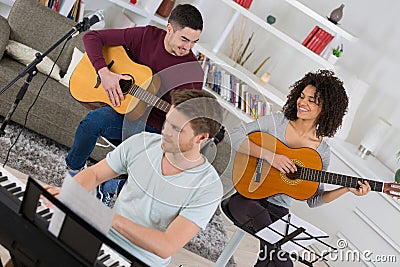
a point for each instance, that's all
(76, 57)
(25, 55)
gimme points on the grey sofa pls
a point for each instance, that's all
(56, 114)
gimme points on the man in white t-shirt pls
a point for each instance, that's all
(172, 191)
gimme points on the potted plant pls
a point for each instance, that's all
(397, 175)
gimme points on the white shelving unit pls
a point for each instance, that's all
(145, 9)
(276, 96)
(311, 13)
(228, 106)
(281, 35)
(243, 74)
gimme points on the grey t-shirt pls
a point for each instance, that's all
(153, 200)
(276, 125)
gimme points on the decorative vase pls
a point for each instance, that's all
(271, 19)
(165, 8)
(336, 14)
(265, 78)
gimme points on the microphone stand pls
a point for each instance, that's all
(31, 70)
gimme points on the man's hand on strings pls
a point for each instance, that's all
(110, 82)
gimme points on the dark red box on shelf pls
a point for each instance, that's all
(244, 3)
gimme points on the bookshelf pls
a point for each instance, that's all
(146, 10)
(277, 33)
(228, 106)
(243, 74)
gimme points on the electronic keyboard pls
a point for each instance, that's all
(29, 240)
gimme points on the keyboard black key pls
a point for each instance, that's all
(104, 258)
(115, 264)
(15, 190)
(10, 185)
(48, 216)
(19, 194)
(3, 178)
(43, 212)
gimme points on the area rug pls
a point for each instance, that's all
(43, 159)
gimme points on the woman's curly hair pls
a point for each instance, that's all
(329, 92)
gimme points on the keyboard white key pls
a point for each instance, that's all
(114, 256)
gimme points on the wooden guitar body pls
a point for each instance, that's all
(271, 181)
(86, 87)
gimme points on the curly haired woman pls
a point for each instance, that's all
(314, 109)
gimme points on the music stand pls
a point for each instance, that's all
(289, 232)
(292, 234)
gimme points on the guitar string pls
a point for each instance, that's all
(149, 98)
(320, 176)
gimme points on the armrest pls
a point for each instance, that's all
(4, 36)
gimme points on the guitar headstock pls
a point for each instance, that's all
(392, 189)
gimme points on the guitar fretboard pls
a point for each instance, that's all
(335, 178)
(149, 98)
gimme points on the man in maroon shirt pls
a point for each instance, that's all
(166, 52)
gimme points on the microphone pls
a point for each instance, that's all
(96, 17)
(86, 23)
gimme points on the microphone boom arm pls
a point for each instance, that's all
(30, 69)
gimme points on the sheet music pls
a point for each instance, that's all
(83, 203)
(280, 226)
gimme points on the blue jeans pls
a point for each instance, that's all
(106, 122)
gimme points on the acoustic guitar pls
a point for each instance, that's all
(255, 178)
(139, 91)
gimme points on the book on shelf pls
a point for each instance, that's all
(66, 7)
(317, 40)
(231, 89)
(244, 3)
(310, 35)
(72, 9)
(326, 38)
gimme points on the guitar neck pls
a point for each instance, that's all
(149, 98)
(337, 179)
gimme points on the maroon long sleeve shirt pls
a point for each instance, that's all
(145, 45)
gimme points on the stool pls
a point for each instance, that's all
(233, 243)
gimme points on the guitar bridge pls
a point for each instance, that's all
(258, 170)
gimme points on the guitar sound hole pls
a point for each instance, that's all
(126, 85)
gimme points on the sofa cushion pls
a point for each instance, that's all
(25, 55)
(40, 27)
(4, 36)
(76, 57)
